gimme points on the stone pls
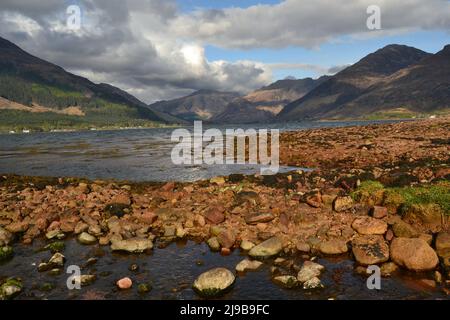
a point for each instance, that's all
(389, 235)
(313, 283)
(124, 283)
(225, 251)
(402, 229)
(369, 225)
(5, 237)
(370, 249)
(255, 218)
(57, 260)
(213, 244)
(181, 232)
(144, 288)
(84, 279)
(214, 282)
(379, 212)
(428, 238)
(303, 247)
(309, 270)
(286, 281)
(334, 246)
(414, 254)
(6, 253)
(55, 234)
(443, 244)
(247, 264)
(269, 248)
(247, 245)
(10, 289)
(388, 268)
(134, 245)
(342, 203)
(214, 216)
(121, 198)
(227, 238)
(86, 238)
(217, 180)
(313, 198)
(170, 231)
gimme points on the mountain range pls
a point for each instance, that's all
(395, 80)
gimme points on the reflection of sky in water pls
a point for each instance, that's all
(140, 155)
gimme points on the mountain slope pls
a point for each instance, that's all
(352, 82)
(33, 82)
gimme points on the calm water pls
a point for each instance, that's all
(138, 155)
(172, 270)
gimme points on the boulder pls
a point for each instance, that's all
(414, 254)
(370, 249)
(334, 246)
(269, 248)
(247, 264)
(342, 203)
(214, 282)
(402, 229)
(134, 245)
(369, 225)
(443, 244)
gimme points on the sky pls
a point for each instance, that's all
(164, 49)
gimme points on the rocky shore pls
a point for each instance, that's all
(379, 194)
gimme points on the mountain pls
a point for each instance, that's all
(200, 105)
(351, 83)
(35, 83)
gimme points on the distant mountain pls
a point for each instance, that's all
(338, 92)
(200, 105)
(36, 83)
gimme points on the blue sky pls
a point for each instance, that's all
(328, 55)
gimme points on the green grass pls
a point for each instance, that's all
(54, 91)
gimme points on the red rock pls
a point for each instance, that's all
(226, 238)
(314, 199)
(214, 216)
(225, 251)
(121, 198)
(124, 283)
(379, 212)
(255, 218)
(389, 235)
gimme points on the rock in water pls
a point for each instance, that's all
(336, 246)
(134, 245)
(11, 288)
(414, 254)
(269, 248)
(247, 245)
(86, 238)
(286, 281)
(369, 225)
(6, 253)
(309, 271)
(313, 283)
(213, 244)
(214, 282)
(247, 264)
(124, 283)
(57, 260)
(370, 249)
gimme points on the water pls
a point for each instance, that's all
(172, 270)
(136, 155)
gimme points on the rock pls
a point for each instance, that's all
(369, 225)
(225, 251)
(247, 264)
(414, 254)
(213, 244)
(342, 203)
(437, 277)
(402, 229)
(270, 247)
(57, 260)
(214, 216)
(58, 234)
(313, 198)
(247, 245)
(388, 268)
(214, 282)
(81, 227)
(309, 270)
(84, 279)
(121, 198)
(379, 212)
(5, 237)
(313, 283)
(227, 238)
(443, 244)
(389, 235)
(255, 218)
(134, 245)
(181, 232)
(10, 289)
(217, 180)
(124, 283)
(286, 281)
(303, 247)
(370, 249)
(170, 231)
(426, 214)
(6, 253)
(335, 246)
(86, 238)
(428, 238)
(144, 288)
(17, 227)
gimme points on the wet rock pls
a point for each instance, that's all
(225, 251)
(334, 246)
(309, 271)
(181, 232)
(86, 239)
(379, 212)
(313, 283)
(342, 203)
(57, 260)
(124, 283)
(414, 254)
(213, 244)
(369, 225)
(214, 216)
(247, 245)
(84, 279)
(133, 267)
(144, 288)
(5, 237)
(227, 238)
(10, 289)
(247, 264)
(6, 253)
(388, 268)
(255, 218)
(286, 281)
(370, 249)
(402, 229)
(214, 282)
(134, 245)
(270, 247)
(55, 234)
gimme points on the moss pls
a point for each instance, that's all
(369, 192)
(47, 287)
(57, 246)
(144, 288)
(6, 253)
